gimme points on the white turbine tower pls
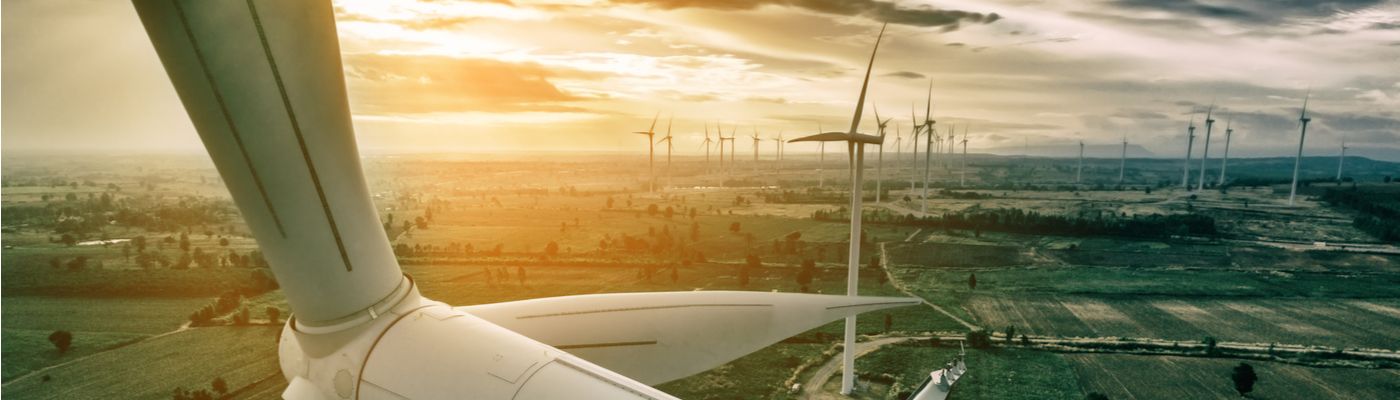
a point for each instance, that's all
(651, 153)
(1186, 165)
(756, 141)
(263, 84)
(778, 147)
(930, 136)
(1079, 170)
(669, 146)
(1123, 160)
(1225, 159)
(1341, 158)
(1303, 120)
(855, 147)
(880, 161)
(963, 179)
(719, 132)
(915, 143)
(1205, 148)
(898, 160)
(706, 144)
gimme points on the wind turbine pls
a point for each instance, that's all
(1341, 158)
(1186, 165)
(756, 140)
(669, 146)
(1303, 120)
(821, 160)
(1205, 149)
(1226, 158)
(651, 152)
(880, 163)
(706, 144)
(964, 157)
(897, 150)
(930, 136)
(917, 126)
(733, 134)
(1123, 160)
(264, 86)
(855, 147)
(719, 131)
(778, 144)
(1079, 170)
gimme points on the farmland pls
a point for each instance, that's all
(580, 226)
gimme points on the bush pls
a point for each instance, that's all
(979, 339)
(62, 340)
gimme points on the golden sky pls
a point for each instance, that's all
(577, 75)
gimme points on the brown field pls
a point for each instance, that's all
(1365, 323)
(1173, 378)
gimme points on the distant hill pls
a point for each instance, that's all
(1072, 150)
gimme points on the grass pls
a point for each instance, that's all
(27, 350)
(757, 376)
(190, 359)
(1166, 377)
(1004, 374)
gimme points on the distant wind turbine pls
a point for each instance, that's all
(1079, 170)
(1186, 165)
(778, 142)
(651, 152)
(915, 141)
(1123, 160)
(1205, 149)
(669, 146)
(1226, 158)
(1303, 120)
(963, 169)
(733, 134)
(930, 136)
(706, 144)
(855, 146)
(1341, 158)
(756, 140)
(880, 163)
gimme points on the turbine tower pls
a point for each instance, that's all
(778, 144)
(651, 153)
(1186, 165)
(669, 146)
(756, 140)
(963, 180)
(1123, 160)
(719, 131)
(917, 126)
(706, 144)
(263, 84)
(855, 147)
(1341, 158)
(880, 161)
(930, 136)
(1079, 170)
(1303, 120)
(1205, 148)
(1226, 158)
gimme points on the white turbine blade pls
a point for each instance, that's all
(436, 352)
(823, 137)
(860, 101)
(659, 337)
(653, 122)
(263, 84)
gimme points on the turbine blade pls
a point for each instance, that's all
(860, 102)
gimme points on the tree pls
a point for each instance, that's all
(55, 263)
(219, 386)
(68, 240)
(889, 322)
(1010, 333)
(734, 227)
(651, 210)
(551, 249)
(804, 275)
(61, 340)
(78, 263)
(223, 242)
(1244, 378)
(274, 315)
(979, 339)
(1209, 341)
(1096, 396)
(972, 281)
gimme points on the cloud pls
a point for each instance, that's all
(906, 75)
(1250, 11)
(402, 84)
(923, 16)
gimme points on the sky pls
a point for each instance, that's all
(580, 75)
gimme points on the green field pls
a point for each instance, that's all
(1010, 374)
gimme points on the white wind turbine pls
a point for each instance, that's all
(1123, 159)
(914, 122)
(1341, 158)
(1205, 149)
(706, 144)
(1079, 170)
(1186, 165)
(963, 169)
(1226, 158)
(930, 136)
(756, 141)
(264, 86)
(669, 146)
(1303, 120)
(651, 153)
(778, 144)
(880, 163)
(855, 147)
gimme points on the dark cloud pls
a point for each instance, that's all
(906, 75)
(883, 11)
(1249, 11)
